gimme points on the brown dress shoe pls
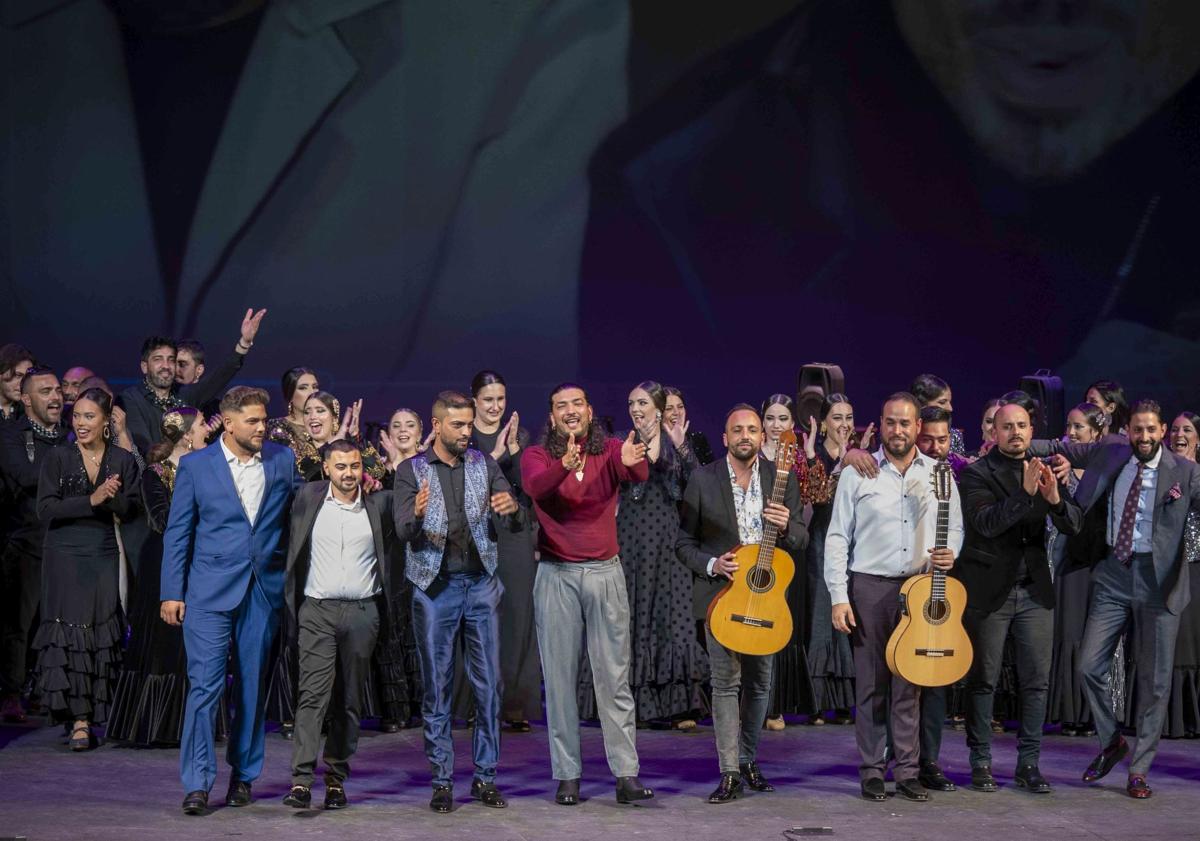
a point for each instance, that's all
(1137, 787)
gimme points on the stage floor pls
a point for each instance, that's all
(117, 793)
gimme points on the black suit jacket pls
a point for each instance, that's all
(144, 419)
(305, 507)
(708, 525)
(1004, 525)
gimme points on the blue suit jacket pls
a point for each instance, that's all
(210, 549)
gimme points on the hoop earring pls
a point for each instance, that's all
(107, 433)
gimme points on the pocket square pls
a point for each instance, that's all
(1174, 493)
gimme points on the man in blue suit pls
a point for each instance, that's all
(223, 578)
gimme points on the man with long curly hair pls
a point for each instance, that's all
(573, 477)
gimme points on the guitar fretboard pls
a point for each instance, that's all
(766, 549)
(940, 539)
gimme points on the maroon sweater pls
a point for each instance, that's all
(578, 519)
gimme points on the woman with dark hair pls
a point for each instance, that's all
(792, 689)
(1183, 708)
(321, 418)
(83, 491)
(932, 390)
(987, 430)
(1070, 559)
(669, 664)
(675, 414)
(1110, 397)
(147, 709)
(520, 668)
(830, 661)
(291, 430)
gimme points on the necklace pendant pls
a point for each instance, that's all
(579, 474)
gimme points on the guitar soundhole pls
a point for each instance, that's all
(937, 612)
(760, 580)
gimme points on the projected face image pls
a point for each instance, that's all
(1047, 87)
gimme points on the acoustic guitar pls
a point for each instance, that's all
(929, 647)
(751, 615)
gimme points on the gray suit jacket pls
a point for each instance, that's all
(1102, 464)
(403, 153)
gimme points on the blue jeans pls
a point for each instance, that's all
(468, 602)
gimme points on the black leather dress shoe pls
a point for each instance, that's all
(195, 803)
(288, 730)
(630, 790)
(911, 789)
(519, 726)
(1030, 778)
(568, 793)
(931, 777)
(300, 797)
(442, 800)
(1107, 759)
(754, 778)
(1137, 787)
(389, 725)
(982, 779)
(728, 790)
(335, 796)
(238, 794)
(872, 789)
(488, 794)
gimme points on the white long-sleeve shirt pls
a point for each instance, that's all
(887, 525)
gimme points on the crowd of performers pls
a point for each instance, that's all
(445, 565)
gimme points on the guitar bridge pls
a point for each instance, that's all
(752, 621)
(935, 652)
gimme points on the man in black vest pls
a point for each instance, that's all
(23, 443)
(1006, 500)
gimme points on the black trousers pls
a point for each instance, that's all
(336, 641)
(20, 593)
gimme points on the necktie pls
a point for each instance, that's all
(1124, 544)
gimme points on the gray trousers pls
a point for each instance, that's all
(738, 723)
(876, 605)
(336, 640)
(1033, 632)
(576, 604)
(1119, 593)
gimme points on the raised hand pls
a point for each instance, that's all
(514, 434)
(215, 423)
(370, 484)
(250, 324)
(810, 440)
(1048, 486)
(864, 443)
(572, 459)
(1032, 476)
(632, 452)
(343, 429)
(502, 438)
(422, 500)
(119, 420)
(427, 443)
(389, 449)
(864, 463)
(677, 431)
(503, 503)
(355, 410)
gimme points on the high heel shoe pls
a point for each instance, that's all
(81, 737)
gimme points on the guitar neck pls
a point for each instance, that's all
(940, 540)
(766, 549)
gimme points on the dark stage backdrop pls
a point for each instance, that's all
(708, 195)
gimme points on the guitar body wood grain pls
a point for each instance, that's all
(916, 637)
(769, 625)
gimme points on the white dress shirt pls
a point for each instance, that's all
(887, 525)
(1143, 524)
(248, 478)
(343, 560)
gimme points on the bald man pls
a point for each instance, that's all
(1007, 497)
